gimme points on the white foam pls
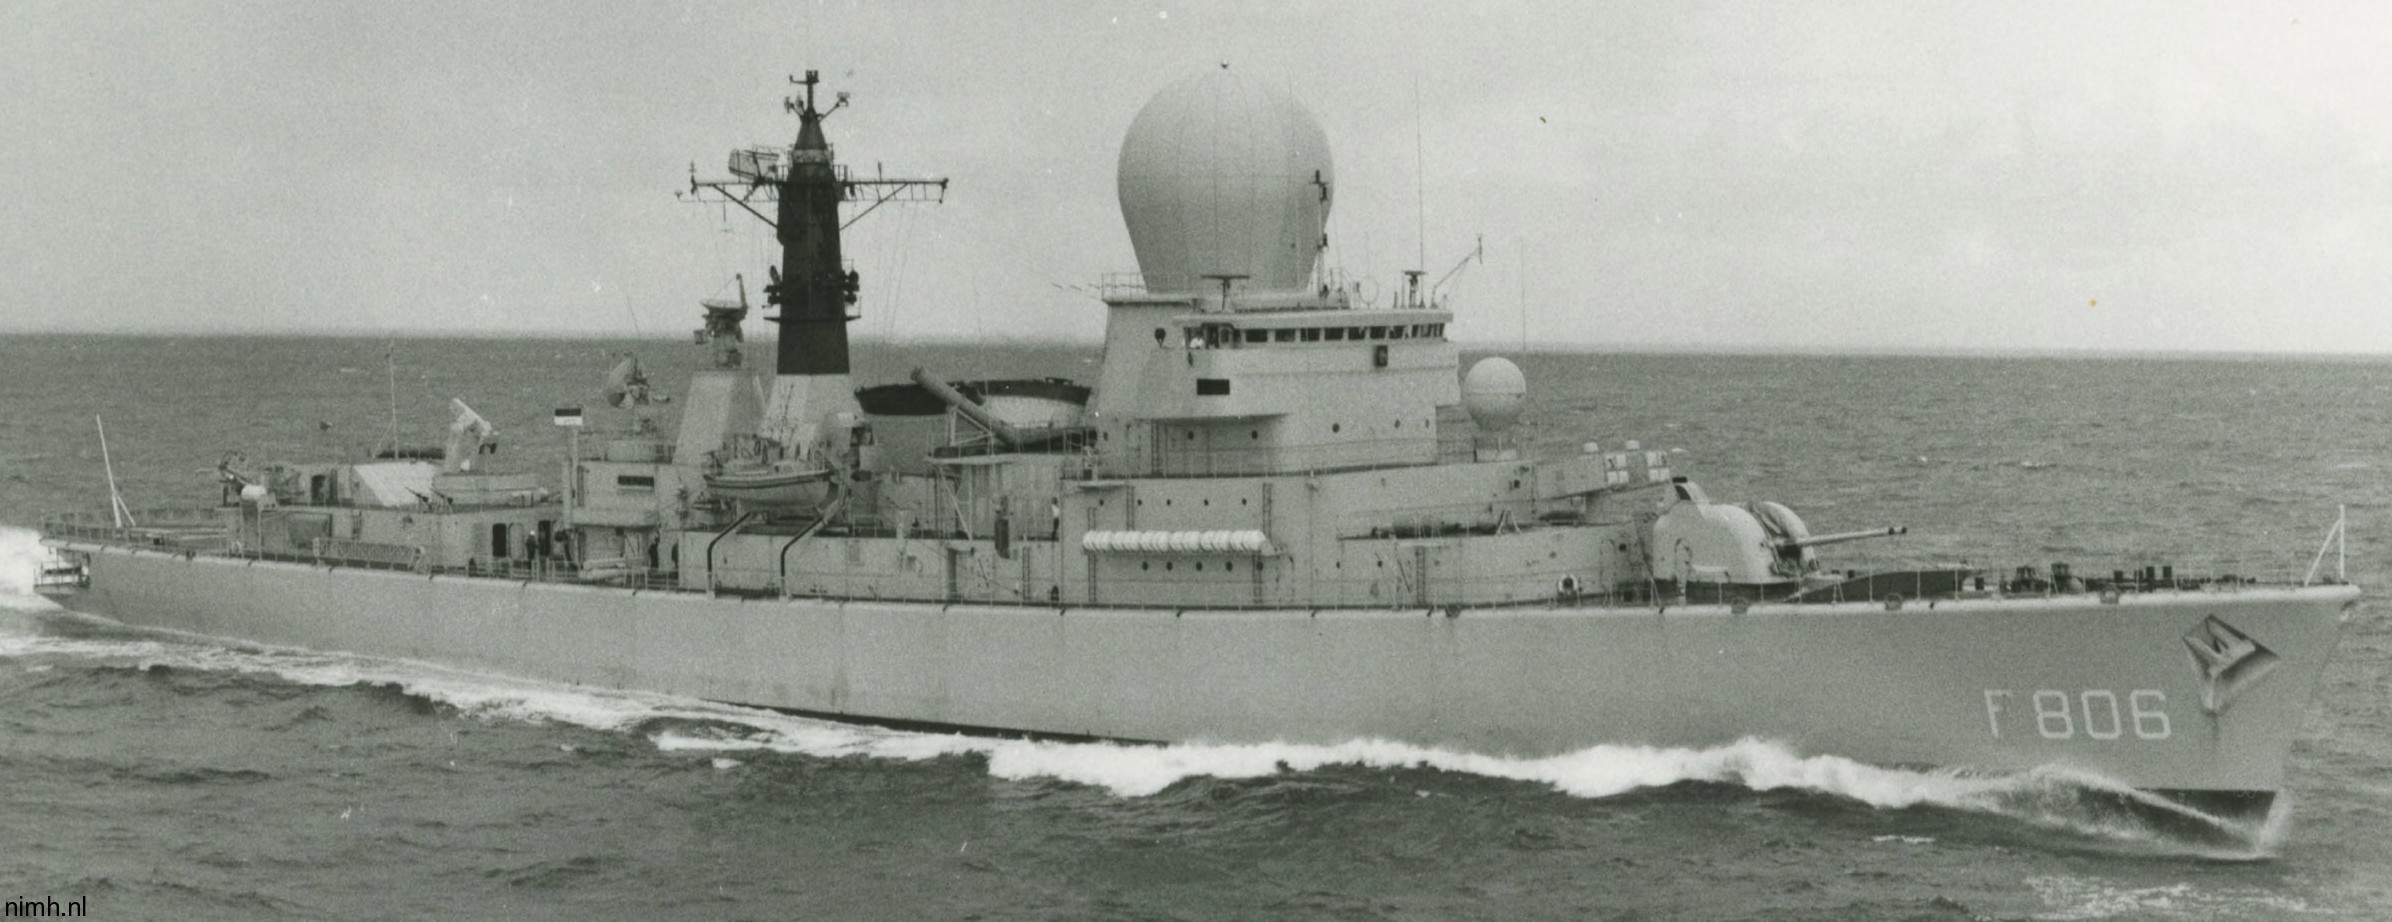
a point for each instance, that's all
(2074, 898)
(1131, 770)
(21, 556)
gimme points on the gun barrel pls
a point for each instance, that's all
(965, 405)
(1843, 536)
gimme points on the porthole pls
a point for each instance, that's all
(1199, 566)
(1145, 564)
(1337, 427)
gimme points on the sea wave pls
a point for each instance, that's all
(2079, 898)
(2050, 796)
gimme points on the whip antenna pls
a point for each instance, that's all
(116, 500)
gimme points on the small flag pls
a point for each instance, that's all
(568, 416)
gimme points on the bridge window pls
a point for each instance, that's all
(1378, 332)
(1338, 333)
(1312, 335)
(1284, 335)
(1258, 336)
(1212, 387)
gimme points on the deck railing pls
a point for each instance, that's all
(1008, 584)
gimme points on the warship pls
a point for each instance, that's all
(1280, 512)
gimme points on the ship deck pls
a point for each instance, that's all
(184, 533)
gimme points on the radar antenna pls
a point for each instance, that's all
(627, 386)
(758, 173)
(722, 324)
(455, 459)
(812, 78)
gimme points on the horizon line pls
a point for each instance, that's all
(1466, 345)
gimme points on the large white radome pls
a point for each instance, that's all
(1223, 175)
(1493, 391)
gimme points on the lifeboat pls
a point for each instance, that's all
(774, 486)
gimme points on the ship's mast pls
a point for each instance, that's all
(812, 286)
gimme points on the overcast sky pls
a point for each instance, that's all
(2173, 176)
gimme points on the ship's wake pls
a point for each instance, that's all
(2049, 797)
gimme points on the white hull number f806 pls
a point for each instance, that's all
(2096, 713)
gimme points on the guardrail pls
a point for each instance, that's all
(1009, 584)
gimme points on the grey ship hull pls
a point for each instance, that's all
(2116, 688)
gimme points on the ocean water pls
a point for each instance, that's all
(162, 777)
